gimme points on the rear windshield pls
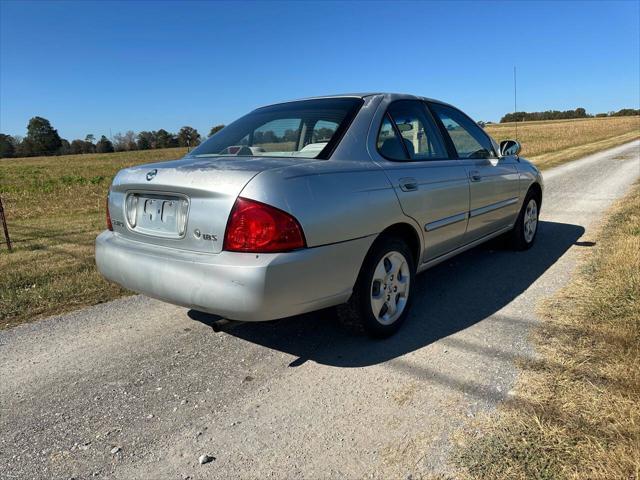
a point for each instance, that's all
(306, 129)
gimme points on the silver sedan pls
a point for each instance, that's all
(330, 201)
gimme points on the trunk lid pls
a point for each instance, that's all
(185, 203)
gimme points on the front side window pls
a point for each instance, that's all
(306, 129)
(468, 138)
(408, 133)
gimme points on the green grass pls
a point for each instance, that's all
(55, 209)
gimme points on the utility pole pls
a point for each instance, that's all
(515, 100)
(4, 225)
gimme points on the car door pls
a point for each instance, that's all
(432, 188)
(494, 181)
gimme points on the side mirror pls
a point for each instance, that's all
(509, 148)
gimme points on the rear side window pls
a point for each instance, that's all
(468, 138)
(389, 144)
(407, 132)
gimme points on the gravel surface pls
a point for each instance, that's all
(136, 388)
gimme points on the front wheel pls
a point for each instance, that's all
(382, 295)
(524, 232)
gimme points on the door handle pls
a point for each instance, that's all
(408, 184)
(475, 176)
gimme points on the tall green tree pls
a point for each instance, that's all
(215, 129)
(42, 138)
(7, 146)
(104, 145)
(165, 139)
(146, 140)
(188, 137)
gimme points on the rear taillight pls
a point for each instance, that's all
(109, 225)
(258, 228)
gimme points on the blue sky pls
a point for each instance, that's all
(96, 67)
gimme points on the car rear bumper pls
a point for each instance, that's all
(238, 286)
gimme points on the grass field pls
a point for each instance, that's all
(577, 414)
(55, 209)
(549, 143)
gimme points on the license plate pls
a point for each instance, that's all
(160, 215)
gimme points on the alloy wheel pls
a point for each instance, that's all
(390, 287)
(530, 220)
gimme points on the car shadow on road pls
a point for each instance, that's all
(448, 298)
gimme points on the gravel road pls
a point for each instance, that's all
(140, 389)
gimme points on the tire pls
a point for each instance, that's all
(379, 288)
(524, 232)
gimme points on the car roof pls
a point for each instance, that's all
(389, 95)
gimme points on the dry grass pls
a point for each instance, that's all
(549, 143)
(577, 413)
(55, 209)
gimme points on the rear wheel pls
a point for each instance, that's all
(524, 232)
(382, 295)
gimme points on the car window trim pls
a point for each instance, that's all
(442, 127)
(400, 138)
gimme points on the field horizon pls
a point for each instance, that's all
(51, 269)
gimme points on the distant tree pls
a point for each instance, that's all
(216, 129)
(77, 147)
(90, 138)
(598, 115)
(626, 112)
(125, 141)
(146, 140)
(547, 115)
(104, 145)
(81, 146)
(119, 142)
(270, 137)
(292, 135)
(7, 146)
(165, 139)
(23, 148)
(482, 124)
(42, 138)
(130, 140)
(581, 113)
(188, 137)
(65, 147)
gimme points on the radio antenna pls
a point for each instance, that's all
(515, 100)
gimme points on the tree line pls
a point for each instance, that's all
(43, 140)
(564, 114)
